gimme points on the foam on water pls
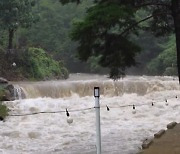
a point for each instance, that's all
(122, 131)
(66, 88)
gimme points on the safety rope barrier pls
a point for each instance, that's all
(108, 107)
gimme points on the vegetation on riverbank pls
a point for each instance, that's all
(49, 28)
(18, 60)
(3, 111)
(165, 62)
(30, 64)
(37, 64)
(2, 92)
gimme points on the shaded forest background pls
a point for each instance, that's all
(50, 36)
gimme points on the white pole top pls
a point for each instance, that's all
(96, 91)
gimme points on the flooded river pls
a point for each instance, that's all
(122, 131)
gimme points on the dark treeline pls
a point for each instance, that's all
(51, 28)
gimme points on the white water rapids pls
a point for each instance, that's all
(122, 131)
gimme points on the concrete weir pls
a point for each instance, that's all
(164, 142)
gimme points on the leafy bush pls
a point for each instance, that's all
(31, 63)
(37, 64)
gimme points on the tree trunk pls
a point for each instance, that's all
(176, 16)
(11, 35)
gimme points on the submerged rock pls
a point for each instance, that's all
(11, 93)
(1, 118)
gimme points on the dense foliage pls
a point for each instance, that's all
(105, 33)
(110, 23)
(3, 111)
(31, 63)
(16, 18)
(51, 32)
(40, 65)
(15, 14)
(100, 35)
(165, 62)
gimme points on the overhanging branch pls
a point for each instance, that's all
(137, 23)
(153, 4)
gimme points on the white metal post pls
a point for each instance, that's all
(98, 124)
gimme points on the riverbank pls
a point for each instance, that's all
(168, 143)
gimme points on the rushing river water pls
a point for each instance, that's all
(122, 131)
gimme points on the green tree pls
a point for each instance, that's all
(51, 32)
(14, 14)
(107, 27)
(165, 62)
